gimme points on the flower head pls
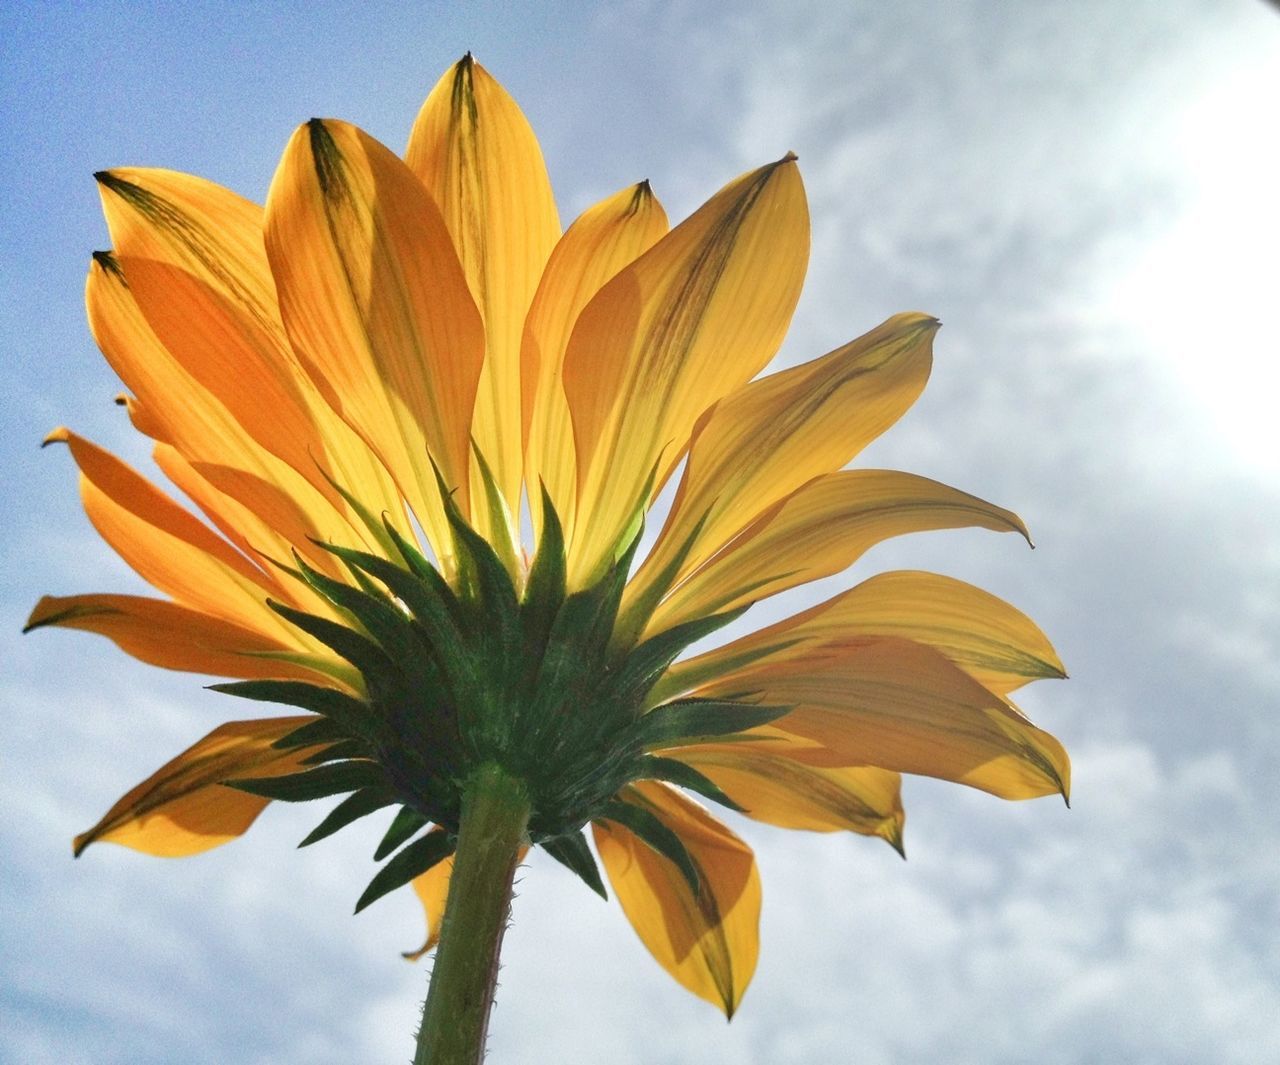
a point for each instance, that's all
(360, 386)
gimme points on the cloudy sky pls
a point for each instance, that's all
(1083, 193)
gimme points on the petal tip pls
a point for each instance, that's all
(60, 435)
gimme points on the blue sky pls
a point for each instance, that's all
(1082, 193)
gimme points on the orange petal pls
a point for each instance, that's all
(604, 239)
(888, 702)
(692, 319)
(709, 943)
(764, 441)
(168, 546)
(176, 637)
(183, 808)
(371, 291)
(472, 148)
(174, 408)
(821, 529)
(432, 888)
(193, 256)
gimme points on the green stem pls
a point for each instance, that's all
(495, 814)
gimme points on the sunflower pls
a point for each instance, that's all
(368, 387)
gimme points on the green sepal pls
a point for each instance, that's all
(377, 529)
(433, 605)
(545, 589)
(387, 625)
(343, 749)
(572, 852)
(652, 832)
(321, 730)
(690, 721)
(411, 862)
(355, 806)
(319, 783)
(360, 651)
(418, 563)
(684, 776)
(406, 822)
(647, 662)
(347, 711)
(500, 520)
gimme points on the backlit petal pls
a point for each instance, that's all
(176, 637)
(774, 786)
(692, 319)
(709, 943)
(183, 808)
(167, 545)
(764, 441)
(903, 706)
(432, 889)
(996, 644)
(373, 297)
(821, 529)
(192, 253)
(474, 151)
(604, 239)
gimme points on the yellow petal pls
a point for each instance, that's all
(432, 889)
(168, 546)
(176, 637)
(472, 148)
(903, 706)
(691, 320)
(171, 406)
(821, 529)
(772, 785)
(604, 239)
(709, 943)
(764, 441)
(183, 808)
(371, 291)
(996, 644)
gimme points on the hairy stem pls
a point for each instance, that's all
(495, 814)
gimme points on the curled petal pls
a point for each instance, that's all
(772, 785)
(820, 529)
(710, 942)
(183, 808)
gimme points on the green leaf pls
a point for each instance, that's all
(649, 830)
(500, 520)
(572, 852)
(689, 721)
(343, 749)
(322, 730)
(411, 862)
(683, 776)
(406, 822)
(355, 806)
(317, 783)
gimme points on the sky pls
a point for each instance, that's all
(1083, 193)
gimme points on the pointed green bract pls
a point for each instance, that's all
(317, 783)
(411, 862)
(684, 776)
(406, 822)
(690, 721)
(355, 806)
(575, 855)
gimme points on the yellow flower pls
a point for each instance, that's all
(361, 384)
